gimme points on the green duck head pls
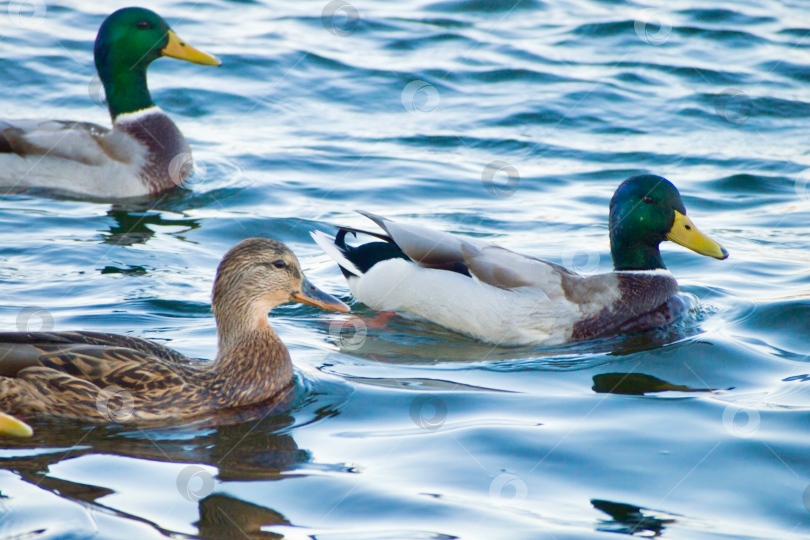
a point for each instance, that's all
(127, 42)
(645, 211)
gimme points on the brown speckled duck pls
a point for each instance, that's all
(107, 377)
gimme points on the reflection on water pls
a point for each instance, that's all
(249, 447)
(224, 517)
(629, 519)
(405, 340)
(637, 384)
(135, 225)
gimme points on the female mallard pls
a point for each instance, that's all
(106, 377)
(134, 158)
(499, 296)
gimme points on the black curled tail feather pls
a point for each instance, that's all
(340, 238)
(365, 256)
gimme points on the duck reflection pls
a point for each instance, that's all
(628, 519)
(134, 221)
(242, 445)
(224, 517)
(134, 224)
(637, 384)
(245, 446)
(389, 338)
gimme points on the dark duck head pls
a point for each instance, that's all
(645, 211)
(127, 42)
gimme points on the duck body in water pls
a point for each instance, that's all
(502, 297)
(108, 377)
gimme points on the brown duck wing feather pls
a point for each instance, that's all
(34, 390)
(91, 338)
(67, 373)
(106, 366)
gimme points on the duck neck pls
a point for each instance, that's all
(633, 255)
(125, 86)
(252, 363)
(239, 323)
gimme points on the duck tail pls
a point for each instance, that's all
(338, 250)
(356, 261)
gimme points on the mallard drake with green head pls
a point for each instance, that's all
(499, 296)
(134, 158)
(92, 376)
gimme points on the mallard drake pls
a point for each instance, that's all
(139, 155)
(107, 377)
(499, 296)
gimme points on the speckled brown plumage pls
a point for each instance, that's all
(66, 373)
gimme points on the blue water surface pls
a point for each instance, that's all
(410, 431)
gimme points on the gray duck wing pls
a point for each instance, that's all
(426, 247)
(506, 269)
(77, 141)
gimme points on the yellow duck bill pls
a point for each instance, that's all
(685, 233)
(313, 296)
(11, 427)
(177, 48)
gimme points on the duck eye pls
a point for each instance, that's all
(279, 264)
(145, 25)
(647, 199)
